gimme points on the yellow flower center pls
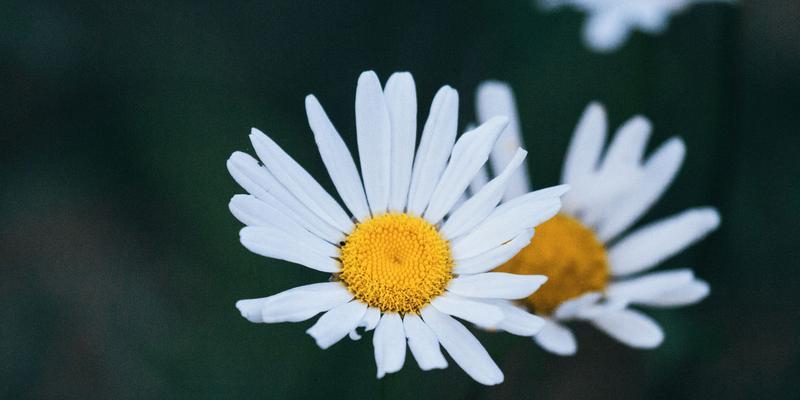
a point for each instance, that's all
(569, 254)
(396, 263)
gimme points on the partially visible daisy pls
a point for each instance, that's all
(404, 261)
(596, 270)
(610, 22)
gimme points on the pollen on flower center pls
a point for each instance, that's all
(569, 254)
(396, 263)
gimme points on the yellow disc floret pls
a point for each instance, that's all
(396, 263)
(569, 254)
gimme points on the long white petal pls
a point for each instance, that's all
(494, 257)
(258, 181)
(437, 140)
(369, 321)
(423, 343)
(299, 182)
(253, 211)
(296, 304)
(654, 243)
(335, 324)
(503, 224)
(482, 203)
(627, 147)
(659, 171)
(463, 347)
(389, 341)
(587, 143)
(556, 339)
(685, 295)
(649, 286)
(493, 99)
(401, 98)
(496, 285)
(480, 179)
(374, 131)
(474, 311)
(573, 307)
(260, 214)
(631, 327)
(274, 243)
(517, 320)
(337, 159)
(468, 156)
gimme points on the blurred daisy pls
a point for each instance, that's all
(593, 269)
(404, 261)
(610, 22)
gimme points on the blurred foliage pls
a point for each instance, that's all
(120, 261)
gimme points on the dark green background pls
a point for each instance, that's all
(120, 261)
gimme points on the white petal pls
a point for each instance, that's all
(369, 321)
(401, 98)
(463, 347)
(299, 182)
(389, 341)
(496, 99)
(482, 203)
(251, 308)
(480, 179)
(423, 344)
(252, 211)
(494, 257)
(374, 129)
(337, 159)
(627, 148)
(605, 31)
(470, 310)
(649, 286)
(468, 156)
(586, 145)
(437, 140)
(258, 181)
(659, 171)
(631, 327)
(556, 339)
(654, 243)
(296, 304)
(571, 308)
(517, 320)
(264, 215)
(274, 243)
(335, 324)
(504, 223)
(685, 295)
(592, 311)
(496, 285)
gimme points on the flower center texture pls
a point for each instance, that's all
(571, 257)
(396, 263)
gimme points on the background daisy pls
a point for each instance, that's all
(404, 261)
(609, 23)
(596, 269)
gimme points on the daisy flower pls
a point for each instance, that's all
(610, 22)
(404, 261)
(597, 271)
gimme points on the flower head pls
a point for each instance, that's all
(594, 267)
(609, 23)
(408, 257)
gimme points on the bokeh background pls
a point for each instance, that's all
(120, 262)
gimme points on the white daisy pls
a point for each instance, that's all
(589, 262)
(404, 262)
(610, 22)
